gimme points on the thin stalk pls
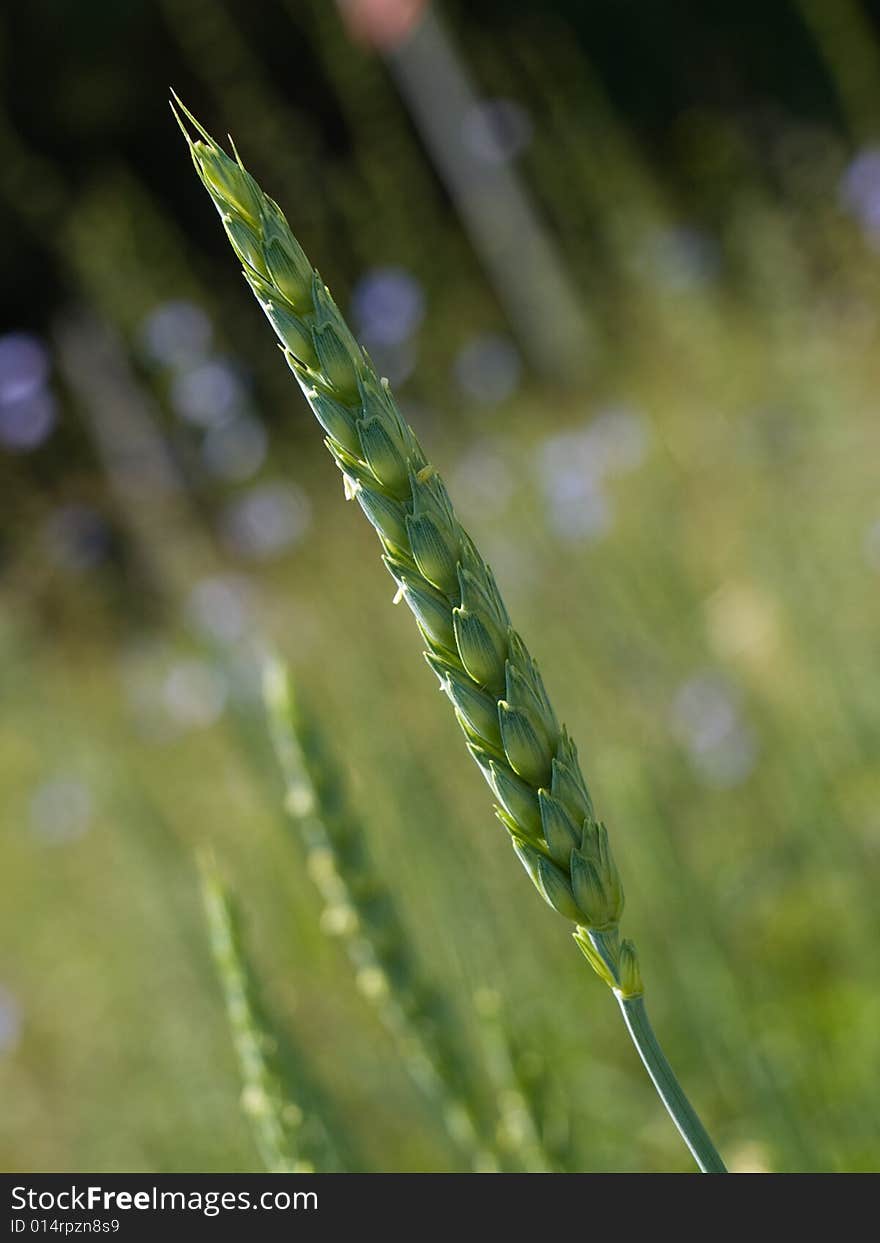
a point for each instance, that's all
(679, 1108)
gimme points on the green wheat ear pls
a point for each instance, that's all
(483, 665)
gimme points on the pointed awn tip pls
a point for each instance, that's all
(176, 102)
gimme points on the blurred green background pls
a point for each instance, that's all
(658, 418)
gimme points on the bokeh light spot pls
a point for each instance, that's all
(488, 369)
(266, 520)
(388, 305)
(24, 366)
(61, 810)
(496, 130)
(176, 334)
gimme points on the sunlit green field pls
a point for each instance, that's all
(688, 539)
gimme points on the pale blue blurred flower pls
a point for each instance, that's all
(707, 720)
(388, 305)
(176, 334)
(266, 520)
(236, 449)
(60, 809)
(208, 393)
(488, 368)
(24, 366)
(495, 131)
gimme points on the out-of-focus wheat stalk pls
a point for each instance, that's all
(359, 909)
(510, 727)
(519, 1124)
(276, 1123)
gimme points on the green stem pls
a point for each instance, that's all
(669, 1089)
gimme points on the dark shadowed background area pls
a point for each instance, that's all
(621, 263)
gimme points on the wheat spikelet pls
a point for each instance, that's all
(483, 665)
(510, 728)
